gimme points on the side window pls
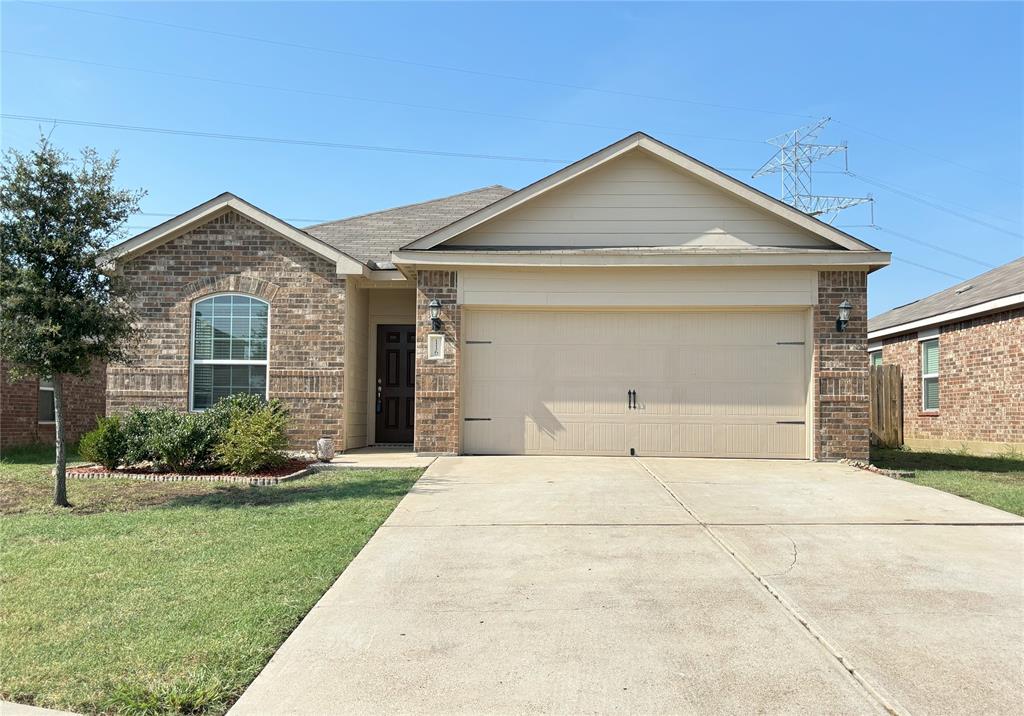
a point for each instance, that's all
(46, 412)
(875, 358)
(930, 374)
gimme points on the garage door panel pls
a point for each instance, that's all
(722, 383)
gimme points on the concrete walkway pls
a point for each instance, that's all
(618, 585)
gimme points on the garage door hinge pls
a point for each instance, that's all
(789, 343)
(476, 420)
(789, 422)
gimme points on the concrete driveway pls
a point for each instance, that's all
(620, 585)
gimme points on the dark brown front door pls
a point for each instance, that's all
(395, 386)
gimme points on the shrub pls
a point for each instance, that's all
(135, 427)
(105, 444)
(180, 441)
(254, 440)
(224, 410)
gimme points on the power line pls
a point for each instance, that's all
(927, 153)
(412, 63)
(278, 140)
(515, 78)
(299, 142)
(929, 268)
(355, 98)
(934, 247)
(921, 200)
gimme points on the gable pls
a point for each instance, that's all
(638, 200)
(217, 206)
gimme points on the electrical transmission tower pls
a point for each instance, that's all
(797, 153)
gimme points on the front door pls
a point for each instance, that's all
(395, 384)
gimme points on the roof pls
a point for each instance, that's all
(640, 140)
(982, 293)
(372, 237)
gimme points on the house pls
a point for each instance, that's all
(961, 352)
(636, 301)
(26, 407)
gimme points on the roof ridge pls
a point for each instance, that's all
(408, 206)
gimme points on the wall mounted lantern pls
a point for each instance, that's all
(435, 314)
(844, 316)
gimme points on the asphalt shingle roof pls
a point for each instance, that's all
(372, 237)
(1005, 280)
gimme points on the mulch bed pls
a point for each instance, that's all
(288, 471)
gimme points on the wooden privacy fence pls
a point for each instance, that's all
(886, 389)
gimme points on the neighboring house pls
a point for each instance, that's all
(961, 352)
(635, 301)
(26, 407)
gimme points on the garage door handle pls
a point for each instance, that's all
(789, 422)
(631, 399)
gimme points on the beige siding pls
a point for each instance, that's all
(385, 306)
(651, 287)
(638, 200)
(711, 384)
(356, 356)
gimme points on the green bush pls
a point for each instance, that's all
(254, 440)
(182, 442)
(105, 444)
(135, 426)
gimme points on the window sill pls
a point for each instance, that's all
(47, 422)
(928, 414)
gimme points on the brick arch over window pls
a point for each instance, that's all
(232, 283)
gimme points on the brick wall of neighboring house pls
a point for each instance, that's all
(19, 408)
(230, 253)
(981, 384)
(437, 381)
(841, 368)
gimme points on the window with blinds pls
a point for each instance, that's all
(229, 348)
(930, 374)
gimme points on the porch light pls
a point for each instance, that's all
(435, 314)
(844, 316)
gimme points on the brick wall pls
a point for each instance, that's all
(19, 408)
(437, 382)
(840, 365)
(230, 253)
(981, 384)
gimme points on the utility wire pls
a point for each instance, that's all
(516, 78)
(277, 140)
(354, 98)
(921, 200)
(926, 153)
(934, 247)
(300, 142)
(411, 63)
(928, 268)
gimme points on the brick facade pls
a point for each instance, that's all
(230, 253)
(981, 384)
(840, 367)
(19, 408)
(437, 381)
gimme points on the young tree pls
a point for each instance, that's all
(59, 311)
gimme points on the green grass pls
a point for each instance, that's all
(156, 598)
(997, 481)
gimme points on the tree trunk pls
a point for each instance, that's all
(60, 483)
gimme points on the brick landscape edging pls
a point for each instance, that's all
(178, 477)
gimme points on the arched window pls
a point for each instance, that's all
(229, 348)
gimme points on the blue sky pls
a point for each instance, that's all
(928, 95)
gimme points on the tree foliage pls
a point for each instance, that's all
(60, 310)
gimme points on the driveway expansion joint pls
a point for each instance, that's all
(859, 679)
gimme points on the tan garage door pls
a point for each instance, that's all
(714, 384)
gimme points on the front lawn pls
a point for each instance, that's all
(997, 481)
(166, 597)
